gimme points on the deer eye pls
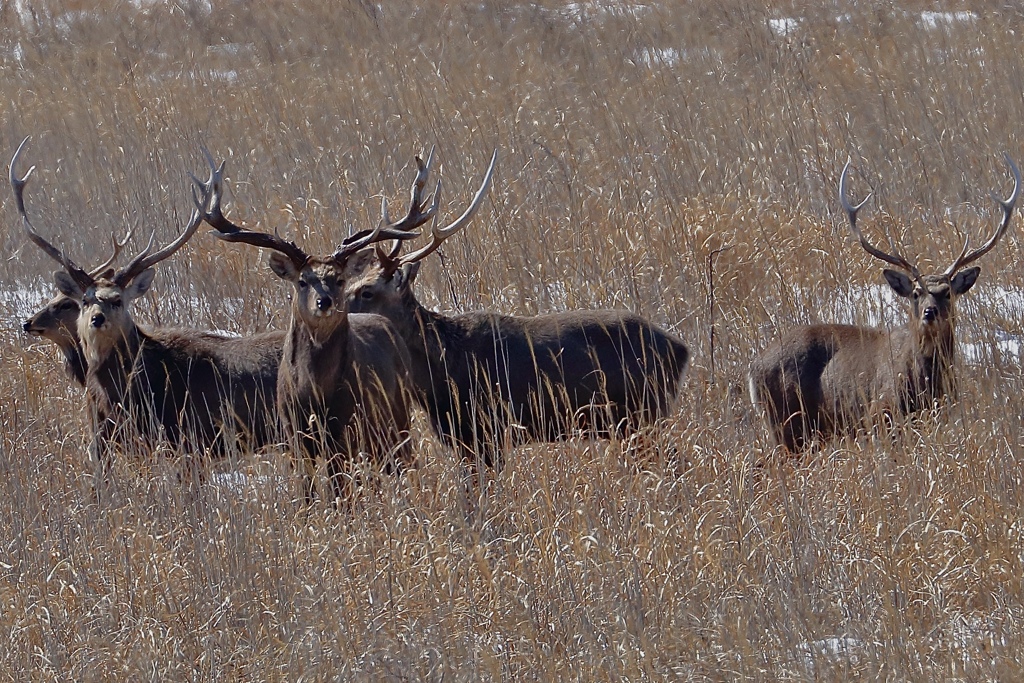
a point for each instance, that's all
(366, 294)
(303, 284)
(68, 305)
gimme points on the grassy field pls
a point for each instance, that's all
(643, 148)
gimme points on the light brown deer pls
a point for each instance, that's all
(196, 389)
(820, 380)
(483, 377)
(57, 321)
(342, 381)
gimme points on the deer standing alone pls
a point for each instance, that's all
(821, 379)
(478, 374)
(342, 381)
(57, 322)
(196, 389)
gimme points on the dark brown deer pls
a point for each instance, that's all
(342, 382)
(820, 380)
(193, 388)
(478, 374)
(57, 321)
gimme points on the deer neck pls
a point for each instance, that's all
(932, 362)
(323, 356)
(426, 335)
(74, 361)
(110, 365)
(114, 350)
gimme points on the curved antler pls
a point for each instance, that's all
(1007, 206)
(389, 261)
(851, 211)
(229, 232)
(363, 238)
(416, 216)
(439, 235)
(83, 279)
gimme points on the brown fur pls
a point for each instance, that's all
(476, 374)
(342, 381)
(57, 322)
(198, 390)
(823, 379)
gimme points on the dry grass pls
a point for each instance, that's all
(623, 168)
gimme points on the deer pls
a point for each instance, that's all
(482, 376)
(343, 379)
(821, 380)
(195, 389)
(57, 321)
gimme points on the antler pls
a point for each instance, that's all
(363, 238)
(1007, 206)
(229, 232)
(416, 215)
(851, 211)
(83, 279)
(439, 235)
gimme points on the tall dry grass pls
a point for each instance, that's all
(642, 146)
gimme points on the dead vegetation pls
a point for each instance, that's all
(643, 148)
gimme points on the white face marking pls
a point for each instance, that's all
(104, 320)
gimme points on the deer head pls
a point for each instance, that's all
(102, 297)
(318, 300)
(386, 289)
(57, 321)
(931, 296)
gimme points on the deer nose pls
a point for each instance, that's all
(27, 326)
(324, 303)
(930, 314)
(98, 320)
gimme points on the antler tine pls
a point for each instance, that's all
(223, 229)
(1007, 207)
(416, 216)
(439, 235)
(118, 246)
(83, 279)
(364, 238)
(851, 211)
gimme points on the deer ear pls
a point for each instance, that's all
(67, 286)
(140, 284)
(359, 263)
(409, 272)
(899, 282)
(964, 280)
(283, 267)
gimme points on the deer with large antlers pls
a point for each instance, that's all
(484, 377)
(820, 380)
(57, 321)
(195, 389)
(342, 381)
